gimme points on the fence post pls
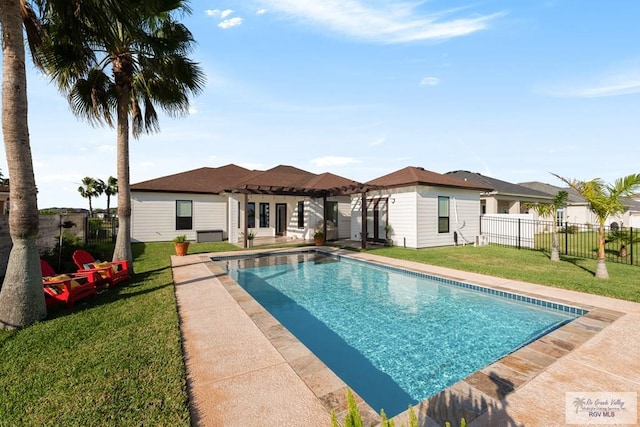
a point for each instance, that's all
(566, 238)
(631, 244)
(519, 232)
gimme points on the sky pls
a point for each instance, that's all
(362, 88)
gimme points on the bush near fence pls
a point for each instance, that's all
(622, 244)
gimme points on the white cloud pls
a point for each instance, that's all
(624, 81)
(328, 161)
(390, 23)
(229, 23)
(430, 81)
(193, 110)
(217, 12)
(261, 11)
(378, 141)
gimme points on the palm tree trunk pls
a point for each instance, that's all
(22, 296)
(601, 266)
(555, 252)
(123, 240)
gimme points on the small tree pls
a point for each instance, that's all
(604, 200)
(89, 189)
(110, 189)
(550, 209)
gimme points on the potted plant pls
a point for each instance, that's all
(250, 236)
(318, 237)
(181, 244)
(388, 230)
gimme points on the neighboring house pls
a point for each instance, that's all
(503, 197)
(423, 208)
(4, 199)
(577, 210)
(233, 201)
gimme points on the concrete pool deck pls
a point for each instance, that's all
(245, 369)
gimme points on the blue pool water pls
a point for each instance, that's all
(394, 338)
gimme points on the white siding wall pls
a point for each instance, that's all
(234, 225)
(402, 215)
(463, 216)
(315, 213)
(153, 215)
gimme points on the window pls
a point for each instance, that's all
(184, 214)
(251, 215)
(443, 214)
(264, 215)
(300, 214)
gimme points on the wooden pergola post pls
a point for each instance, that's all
(363, 234)
(246, 219)
(324, 216)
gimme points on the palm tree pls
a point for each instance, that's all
(145, 52)
(110, 189)
(550, 209)
(21, 297)
(89, 189)
(604, 200)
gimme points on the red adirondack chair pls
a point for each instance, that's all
(111, 273)
(66, 288)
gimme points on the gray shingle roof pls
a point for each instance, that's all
(498, 186)
(412, 175)
(552, 190)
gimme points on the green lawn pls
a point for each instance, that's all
(116, 360)
(529, 266)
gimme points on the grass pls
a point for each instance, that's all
(112, 360)
(117, 360)
(529, 266)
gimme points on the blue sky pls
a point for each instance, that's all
(361, 88)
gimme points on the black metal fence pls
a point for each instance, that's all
(622, 244)
(101, 230)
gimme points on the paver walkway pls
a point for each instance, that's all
(245, 369)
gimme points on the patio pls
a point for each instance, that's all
(245, 369)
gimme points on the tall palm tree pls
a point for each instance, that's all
(110, 189)
(127, 67)
(550, 210)
(604, 200)
(21, 297)
(89, 189)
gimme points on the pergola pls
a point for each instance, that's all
(348, 190)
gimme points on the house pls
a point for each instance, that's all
(231, 201)
(577, 210)
(423, 209)
(4, 199)
(504, 197)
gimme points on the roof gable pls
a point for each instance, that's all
(412, 175)
(202, 180)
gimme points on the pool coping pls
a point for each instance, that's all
(480, 395)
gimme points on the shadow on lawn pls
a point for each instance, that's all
(575, 261)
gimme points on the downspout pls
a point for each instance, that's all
(363, 234)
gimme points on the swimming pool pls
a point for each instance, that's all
(394, 337)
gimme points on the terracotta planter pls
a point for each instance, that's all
(319, 241)
(181, 248)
